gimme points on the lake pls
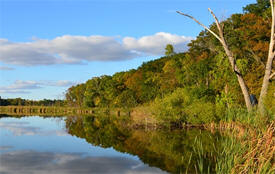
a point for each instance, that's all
(89, 144)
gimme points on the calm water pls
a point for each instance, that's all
(79, 145)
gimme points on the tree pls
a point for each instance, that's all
(268, 68)
(257, 8)
(169, 50)
(230, 56)
(75, 95)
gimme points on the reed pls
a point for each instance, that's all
(241, 153)
(259, 154)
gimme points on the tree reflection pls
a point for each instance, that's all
(174, 151)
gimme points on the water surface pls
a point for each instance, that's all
(42, 145)
(59, 145)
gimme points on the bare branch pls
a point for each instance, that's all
(200, 25)
(272, 8)
(272, 37)
(272, 75)
(223, 42)
(272, 2)
(216, 19)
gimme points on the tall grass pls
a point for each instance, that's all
(257, 154)
(250, 153)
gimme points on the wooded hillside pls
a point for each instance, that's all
(204, 70)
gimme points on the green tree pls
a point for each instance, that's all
(257, 8)
(169, 50)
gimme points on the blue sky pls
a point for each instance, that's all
(48, 45)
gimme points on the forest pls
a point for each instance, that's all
(197, 86)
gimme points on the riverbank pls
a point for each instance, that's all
(249, 149)
(61, 111)
(144, 117)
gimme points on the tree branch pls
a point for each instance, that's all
(272, 8)
(223, 42)
(270, 58)
(200, 25)
(272, 75)
(272, 37)
(216, 19)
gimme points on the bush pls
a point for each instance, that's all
(182, 106)
(171, 107)
(200, 112)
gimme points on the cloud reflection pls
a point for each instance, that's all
(32, 162)
(5, 147)
(23, 128)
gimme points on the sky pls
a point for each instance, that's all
(46, 46)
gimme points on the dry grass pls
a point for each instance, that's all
(259, 153)
(236, 129)
(247, 150)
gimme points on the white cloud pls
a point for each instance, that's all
(69, 49)
(156, 44)
(25, 54)
(4, 68)
(90, 48)
(20, 86)
(60, 83)
(13, 91)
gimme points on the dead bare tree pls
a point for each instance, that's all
(220, 37)
(268, 68)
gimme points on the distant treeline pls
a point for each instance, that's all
(25, 102)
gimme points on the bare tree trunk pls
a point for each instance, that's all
(241, 81)
(229, 55)
(268, 67)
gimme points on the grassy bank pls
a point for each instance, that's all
(248, 153)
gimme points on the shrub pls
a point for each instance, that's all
(182, 106)
(171, 107)
(200, 112)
